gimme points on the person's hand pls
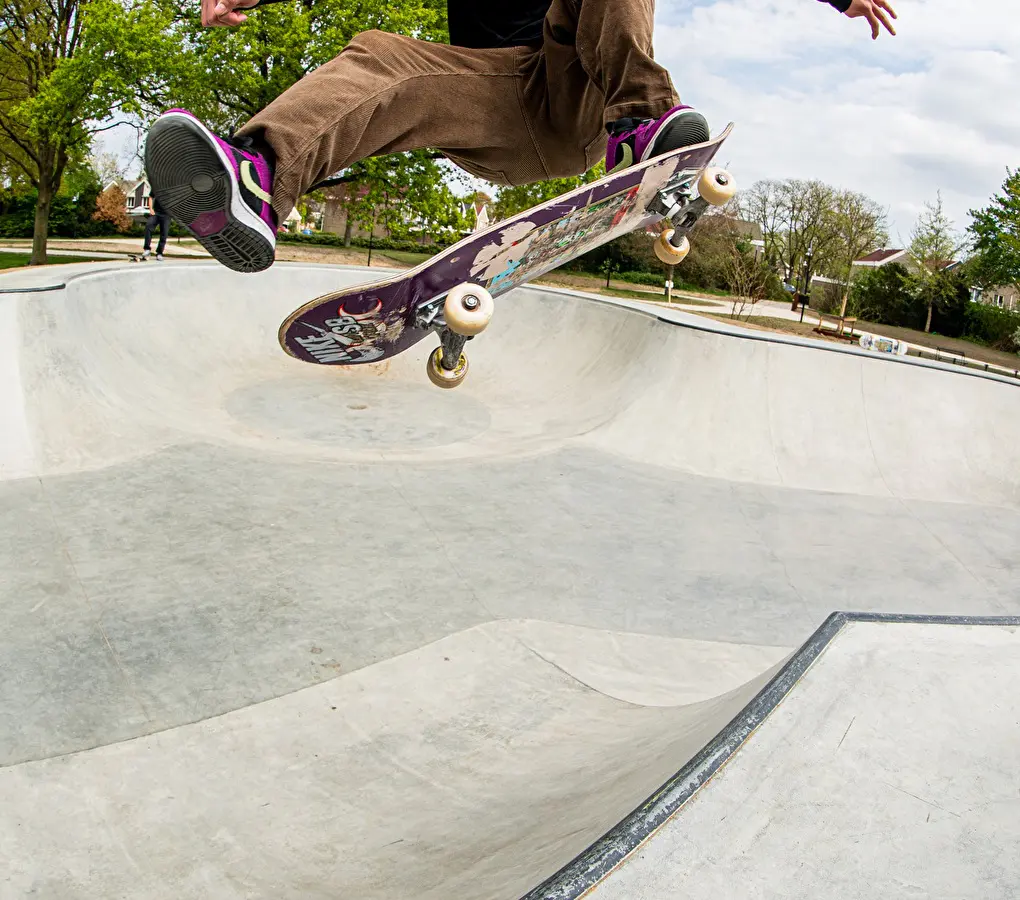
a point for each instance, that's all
(225, 12)
(877, 13)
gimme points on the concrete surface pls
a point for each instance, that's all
(276, 630)
(856, 787)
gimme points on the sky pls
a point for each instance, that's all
(899, 119)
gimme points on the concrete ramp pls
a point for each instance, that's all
(879, 764)
(375, 783)
(277, 630)
(121, 364)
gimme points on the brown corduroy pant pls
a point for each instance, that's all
(509, 116)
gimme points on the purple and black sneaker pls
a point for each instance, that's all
(633, 141)
(219, 190)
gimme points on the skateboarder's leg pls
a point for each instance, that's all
(614, 42)
(384, 93)
(639, 112)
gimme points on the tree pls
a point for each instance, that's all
(860, 226)
(933, 248)
(66, 65)
(996, 234)
(709, 263)
(884, 295)
(106, 167)
(111, 206)
(747, 276)
(407, 193)
(761, 204)
(512, 199)
(230, 74)
(809, 227)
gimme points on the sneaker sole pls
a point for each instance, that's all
(193, 178)
(684, 128)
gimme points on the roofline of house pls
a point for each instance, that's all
(874, 264)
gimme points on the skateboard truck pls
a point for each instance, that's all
(674, 203)
(464, 312)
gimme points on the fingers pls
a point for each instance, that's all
(883, 10)
(884, 5)
(879, 14)
(873, 22)
(222, 12)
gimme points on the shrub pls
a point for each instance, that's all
(327, 239)
(658, 279)
(69, 217)
(884, 296)
(997, 327)
(111, 206)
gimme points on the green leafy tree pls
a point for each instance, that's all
(933, 248)
(860, 226)
(996, 234)
(66, 65)
(512, 199)
(884, 295)
(230, 74)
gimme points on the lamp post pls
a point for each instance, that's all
(807, 270)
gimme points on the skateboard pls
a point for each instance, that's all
(883, 344)
(452, 293)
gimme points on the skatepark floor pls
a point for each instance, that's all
(278, 630)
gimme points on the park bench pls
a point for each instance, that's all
(828, 323)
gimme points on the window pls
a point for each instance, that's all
(999, 300)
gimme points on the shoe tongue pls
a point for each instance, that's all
(621, 126)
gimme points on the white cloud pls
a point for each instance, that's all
(814, 97)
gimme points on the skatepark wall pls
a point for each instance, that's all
(126, 361)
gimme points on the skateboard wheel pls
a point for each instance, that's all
(667, 252)
(716, 186)
(445, 378)
(468, 309)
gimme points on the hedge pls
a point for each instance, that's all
(325, 238)
(992, 325)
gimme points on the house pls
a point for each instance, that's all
(334, 218)
(137, 192)
(879, 258)
(1003, 297)
(751, 232)
(480, 207)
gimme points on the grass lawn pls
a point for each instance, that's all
(407, 257)
(18, 260)
(657, 297)
(974, 352)
(969, 349)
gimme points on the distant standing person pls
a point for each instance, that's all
(157, 216)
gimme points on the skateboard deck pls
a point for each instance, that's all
(883, 344)
(370, 322)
